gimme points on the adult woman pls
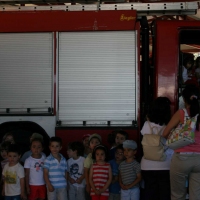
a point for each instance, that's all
(156, 173)
(186, 160)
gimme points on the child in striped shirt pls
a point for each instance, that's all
(100, 175)
(55, 171)
(130, 172)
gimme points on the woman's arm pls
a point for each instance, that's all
(175, 120)
(108, 182)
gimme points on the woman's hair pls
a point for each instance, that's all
(197, 62)
(101, 147)
(191, 96)
(160, 112)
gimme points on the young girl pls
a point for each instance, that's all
(100, 175)
(35, 184)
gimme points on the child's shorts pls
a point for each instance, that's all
(17, 197)
(37, 192)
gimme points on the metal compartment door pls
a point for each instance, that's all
(26, 72)
(97, 77)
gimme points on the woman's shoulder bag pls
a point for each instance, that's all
(183, 134)
(153, 145)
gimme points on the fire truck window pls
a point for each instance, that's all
(189, 69)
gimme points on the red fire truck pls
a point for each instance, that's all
(75, 70)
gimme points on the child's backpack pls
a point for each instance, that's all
(154, 145)
(183, 134)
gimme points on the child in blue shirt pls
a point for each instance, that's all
(114, 189)
(55, 171)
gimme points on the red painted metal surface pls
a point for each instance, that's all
(43, 21)
(167, 57)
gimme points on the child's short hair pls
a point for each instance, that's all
(77, 146)
(14, 148)
(124, 133)
(5, 145)
(102, 147)
(95, 135)
(37, 140)
(55, 139)
(120, 146)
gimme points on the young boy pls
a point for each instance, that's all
(130, 172)
(119, 137)
(35, 185)
(75, 171)
(55, 171)
(114, 189)
(13, 172)
(94, 140)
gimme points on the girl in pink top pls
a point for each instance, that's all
(100, 175)
(185, 162)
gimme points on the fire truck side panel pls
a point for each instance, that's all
(44, 21)
(56, 22)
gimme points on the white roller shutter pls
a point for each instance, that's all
(97, 77)
(26, 72)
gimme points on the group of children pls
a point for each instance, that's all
(89, 172)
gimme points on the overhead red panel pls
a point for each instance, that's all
(34, 21)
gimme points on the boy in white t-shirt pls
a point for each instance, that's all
(13, 173)
(75, 171)
(35, 185)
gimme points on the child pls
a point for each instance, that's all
(4, 153)
(75, 171)
(115, 188)
(35, 185)
(55, 171)
(130, 172)
(100, 175)
(85, 140)
(120, 136)
(13, 172)
(94, 140)
(29, 153)
(9, 137)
